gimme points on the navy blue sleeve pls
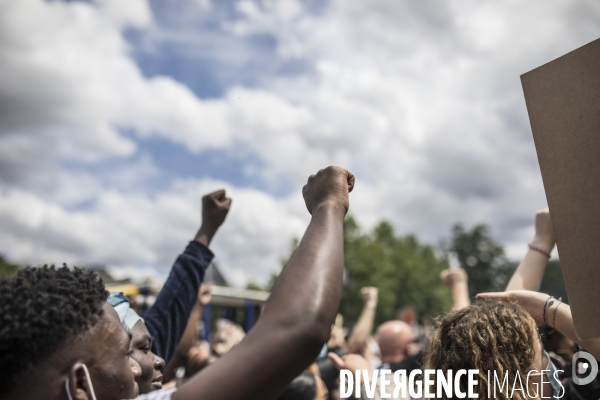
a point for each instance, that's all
(167, 319)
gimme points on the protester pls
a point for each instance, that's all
(151, 365)
(355, 362)
(458, 282)
(155, 338)
(168, 317)
(545, 310)
(530, 272)
(359, 339)
(394, 339)
(560, 347)
(60, 338)
(306, 386)
(490, 336)
(58, 335)
(188, 351)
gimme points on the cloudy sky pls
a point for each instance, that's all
(116, 116)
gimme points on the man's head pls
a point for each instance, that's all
(141, 344)
(394, 338)
(54, 325)
(151, 364)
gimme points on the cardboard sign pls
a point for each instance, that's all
(563, 102)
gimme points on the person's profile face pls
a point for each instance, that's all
(111, 369)
(151, 365)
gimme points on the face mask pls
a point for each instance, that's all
(551, 373)
(87, 375)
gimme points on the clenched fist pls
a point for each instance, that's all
(369, 294)
(215, 207)
(452, 276)
(544, 234)
(329, 186)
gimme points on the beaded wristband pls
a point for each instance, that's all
(539, 250)
(555, 310)
(544, 310)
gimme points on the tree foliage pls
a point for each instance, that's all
(405, 271)
(7, 269)
(482, 257)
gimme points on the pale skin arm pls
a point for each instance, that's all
(533, 303)
(529, 273)
(457, 281)
(357, 342)
(297, 318)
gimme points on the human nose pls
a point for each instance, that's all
(159, 363)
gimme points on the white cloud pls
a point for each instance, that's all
(422, 100)
(139, 230)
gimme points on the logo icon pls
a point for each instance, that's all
(580, 367)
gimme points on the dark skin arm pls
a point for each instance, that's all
(297, 317)
(189, 336)
(215, 207)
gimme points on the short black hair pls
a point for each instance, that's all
(303, 387)
(40, 309)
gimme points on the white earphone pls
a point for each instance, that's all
(87, 374)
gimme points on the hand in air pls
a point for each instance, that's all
(452, 276)
(215, 207)
(328, 187)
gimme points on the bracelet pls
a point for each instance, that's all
(539, 250)
(544, 311)
(555, 310)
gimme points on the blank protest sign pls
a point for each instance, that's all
(563, 102)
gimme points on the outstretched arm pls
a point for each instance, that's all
(457, 281)
(558, 314)
(297, 317)
(189, 336)
(168, 317)
(357, 342)
(529, 274)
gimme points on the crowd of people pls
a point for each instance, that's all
(62, 336)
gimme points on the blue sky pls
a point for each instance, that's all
(117, 117)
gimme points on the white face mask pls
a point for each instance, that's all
(87, 375)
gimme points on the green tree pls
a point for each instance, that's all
(7, 269)
(553, 282)
(482, 257)
(405, 271)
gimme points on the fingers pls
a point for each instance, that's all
(227, 203)
(217, 195)
(351, 181)
(502, 296)
(337, 361)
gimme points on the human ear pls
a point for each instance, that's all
(78, 384)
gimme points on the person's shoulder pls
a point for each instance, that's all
(157, 395)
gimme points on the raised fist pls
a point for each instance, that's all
(329, 186)
(204, 294)
(544, 234)
(369, 294)
(215, 207)
(453, 276)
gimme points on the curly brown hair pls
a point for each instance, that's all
(488, 336)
